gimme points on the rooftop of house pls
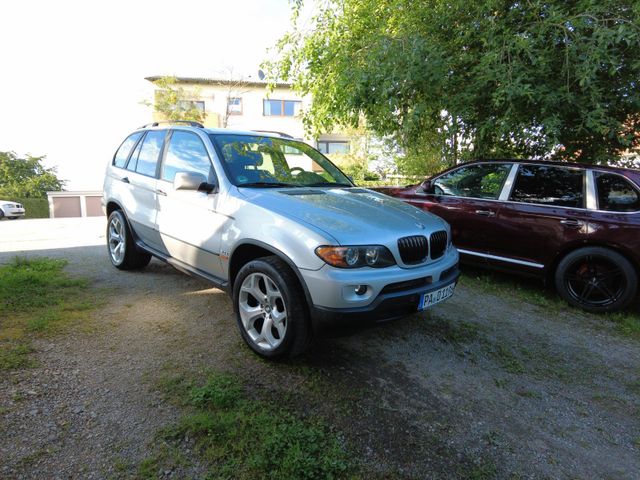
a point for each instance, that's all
(251, 82)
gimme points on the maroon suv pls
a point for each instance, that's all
(577, 225)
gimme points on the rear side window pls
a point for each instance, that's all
(616, 194)
(149, 153)
(476, 181)
(186, 153)
(120, 158)
(549, 185)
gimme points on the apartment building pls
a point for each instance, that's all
(246, 105)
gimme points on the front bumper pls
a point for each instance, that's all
(13, 212)
(390, 304)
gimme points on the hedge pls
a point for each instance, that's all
(34, 207)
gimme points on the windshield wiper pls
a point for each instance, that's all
(267, 184)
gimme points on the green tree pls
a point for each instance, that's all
(174, 102)
(26, 177)
(455, 79)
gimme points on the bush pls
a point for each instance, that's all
(34, 207)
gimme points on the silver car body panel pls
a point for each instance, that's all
(203, 230)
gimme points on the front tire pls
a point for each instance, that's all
(596, 279)
(270, 308)
(123, 252)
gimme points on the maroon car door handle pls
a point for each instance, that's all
(486, 213)
(572, 223)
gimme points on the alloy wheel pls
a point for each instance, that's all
(595, 281)
(262, 311)
(116, 240)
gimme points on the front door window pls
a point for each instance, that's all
(475, 181)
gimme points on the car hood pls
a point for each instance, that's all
(350, 215)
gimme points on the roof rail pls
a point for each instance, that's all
(284, 135)
(188, 122)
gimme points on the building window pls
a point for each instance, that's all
(281, 108)
(328, 147)
(234, 106)
(185, 105)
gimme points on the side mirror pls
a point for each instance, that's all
(426, 186)
(192, 181)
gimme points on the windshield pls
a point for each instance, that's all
(255, 161)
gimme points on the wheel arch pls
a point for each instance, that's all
(252, 249)
(113, 205)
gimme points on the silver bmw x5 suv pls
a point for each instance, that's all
(297, 245)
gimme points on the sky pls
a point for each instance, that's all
(72, 75)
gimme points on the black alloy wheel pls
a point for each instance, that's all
(596, 279)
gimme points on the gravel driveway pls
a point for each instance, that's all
(480, 380)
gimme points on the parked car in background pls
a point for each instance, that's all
(271, 220)
(11, 210)
(575, 225)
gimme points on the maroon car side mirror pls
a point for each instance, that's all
(426, 186)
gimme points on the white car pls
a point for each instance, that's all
(11, 210)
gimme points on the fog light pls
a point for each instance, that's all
(361, 289)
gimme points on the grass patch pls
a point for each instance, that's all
(512, 287)
(506, 358)
(240, 437)
(531, 291)
(454, 332)
(626, 323)
(484, 471)
(39, 298)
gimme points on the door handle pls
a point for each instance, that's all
(572, 223)
(125, 180)
(486, 213)
(161, 192)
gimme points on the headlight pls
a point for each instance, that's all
(376, 256)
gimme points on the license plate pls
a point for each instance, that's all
(430, 299)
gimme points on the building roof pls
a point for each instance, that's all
(221, 81)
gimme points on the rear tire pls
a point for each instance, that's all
(123, 252)
(596, 279)
(270, 309)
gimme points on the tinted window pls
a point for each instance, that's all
(186, 153)
(133, 161)
(477, 181)
(549, 185)
(616, 194)
(149, 153)
(120, 158)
